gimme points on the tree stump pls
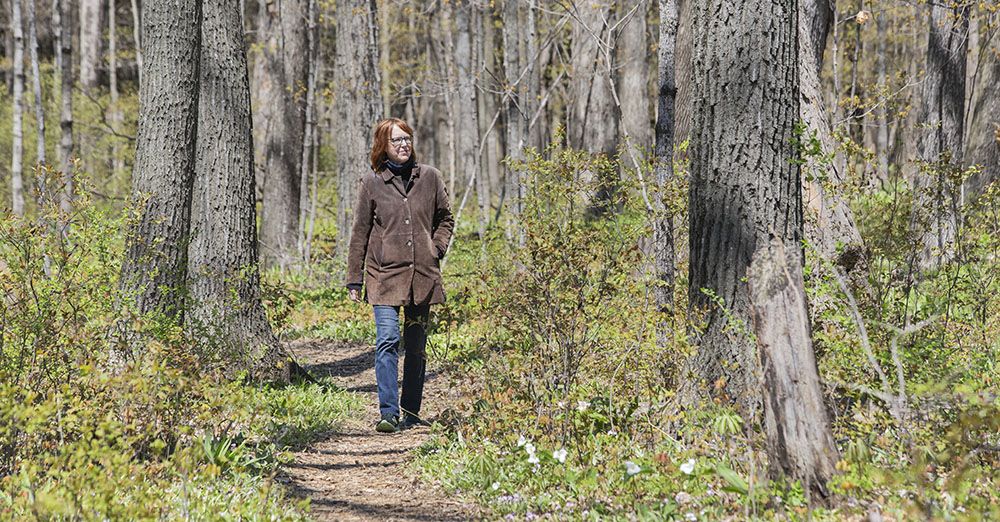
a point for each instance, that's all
(800, 443)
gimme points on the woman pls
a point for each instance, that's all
(402, 225)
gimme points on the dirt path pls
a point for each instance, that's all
(357, 474)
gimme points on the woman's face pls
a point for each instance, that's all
(400, 145)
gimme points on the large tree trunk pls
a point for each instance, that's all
(223, 274)
(830, 227)
(743, 188)
(633, 80)
(942, 131)
(282, 75)
(982, 146)
(155, 266)
(63, 21)
(663, 231)
(359, 105)
(800, 443)
(17, 149)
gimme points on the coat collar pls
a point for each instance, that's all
(387, 174)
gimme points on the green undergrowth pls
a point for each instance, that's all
(86, 437)
(568, 372)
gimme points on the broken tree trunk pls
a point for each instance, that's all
(800, 443)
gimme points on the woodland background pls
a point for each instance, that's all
(589, 149)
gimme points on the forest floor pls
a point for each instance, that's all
(357, 474)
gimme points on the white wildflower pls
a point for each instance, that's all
(561, 404)
(688, 467)
(582, 405)
(631, 467)
(532, 458)
(691, 516)
(521, 441)
(496, 486)
(530, 448)
(560, 455)
(683, 497)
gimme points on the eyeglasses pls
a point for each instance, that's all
(399, 141)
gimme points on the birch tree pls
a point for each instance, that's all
(17, 148)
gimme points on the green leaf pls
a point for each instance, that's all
(736, 482)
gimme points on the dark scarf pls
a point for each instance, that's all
(403, 171)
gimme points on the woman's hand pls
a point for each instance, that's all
(354, 295)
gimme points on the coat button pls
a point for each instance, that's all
(404, 200)
(409, 243)
(407, 222)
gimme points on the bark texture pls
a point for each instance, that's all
(633, 80)
(357, 86)
(941, 134)
(663, 233)
(223, 275)
(800, 444)
(65, 53)
(90, 42)
(593, 125)
(164, 158)
(830, 227)
(17, 148)
(745, 103)
(281, 75)
(983, 143)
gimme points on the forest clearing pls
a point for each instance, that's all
(638, 260)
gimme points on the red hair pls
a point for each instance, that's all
(380, 143)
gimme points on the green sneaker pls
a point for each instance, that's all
(388, 424)
(410, 421)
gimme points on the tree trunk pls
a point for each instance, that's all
(682, 68)
(594, 122)
(312, 65)
(663, 231)
(64, 25)
(467, 67)
(800, 443)
(36, 87)
(745, 103)
(830, 227)
(281, 72)
(633, 81)
(223, 273)
(115, 116)
(137, 34)
(513, 105)
(941, 136)
(90, 42)
(983, 144)
(155, 266)
(17, 149)
(359, 105)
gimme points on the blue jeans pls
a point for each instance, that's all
(387, 357)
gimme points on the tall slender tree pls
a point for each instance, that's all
(63, 21)
(17, 148)
(663, 233)
(282, 77)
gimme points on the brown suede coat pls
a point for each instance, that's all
(396, 237)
